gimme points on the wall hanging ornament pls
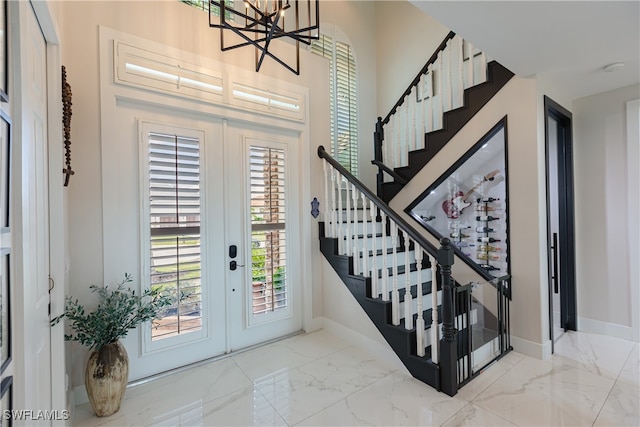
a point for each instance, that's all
(66, 124)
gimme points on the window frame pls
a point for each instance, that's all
(337, 37)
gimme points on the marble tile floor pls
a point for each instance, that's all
(317, 379)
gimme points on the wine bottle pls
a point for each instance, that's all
(458, 235)
(488, 267)
(487, 256)
(457, 225)
(485, 230)
(486, 199)
(461, 244)
(485, 208)
(489, 248)
(486, 218)
(488, 240)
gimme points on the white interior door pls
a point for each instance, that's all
(262, 235)
(35, 170)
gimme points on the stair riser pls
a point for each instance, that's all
(425, 276)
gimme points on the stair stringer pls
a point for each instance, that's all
(400, 340)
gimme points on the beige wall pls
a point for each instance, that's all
(406, 37)
(602, 206)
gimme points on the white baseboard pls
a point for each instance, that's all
(379, 350)
(532, 349)
(313, 325)
(80, 395)
(604, 328)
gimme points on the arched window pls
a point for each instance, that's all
(342, 86)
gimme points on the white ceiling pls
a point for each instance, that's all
(566, 41)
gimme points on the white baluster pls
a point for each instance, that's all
(423, 101)
(365, 250)
(483, 67)
(394, 140)
(374, 268)
(384, 282)
(407, 130)
(395, 295)
(459, 49)
(435, 328)
(334, 228)
(430, 101)
(386, 144)
(347, 213)
(341, 245)
(440, 91)
(420, 344)
(448, 52)
(408, 300)
(355, 250)
(327, 220)
(470, 72)
(412, 117)
(415, 125)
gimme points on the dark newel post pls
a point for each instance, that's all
(378, 137)
(448, 343)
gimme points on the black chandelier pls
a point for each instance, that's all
(258, 22)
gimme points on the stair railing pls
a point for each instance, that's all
(439, 87)
(465, 319)
(339, 184)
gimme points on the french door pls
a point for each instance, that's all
(263, 229)
(218, 222)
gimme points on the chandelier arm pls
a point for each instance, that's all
(268, 41)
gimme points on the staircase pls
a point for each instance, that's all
(422, 122)
(439, 329)
(403, 282)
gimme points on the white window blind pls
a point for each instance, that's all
(342, 87)
(174, 208)
(268, 230)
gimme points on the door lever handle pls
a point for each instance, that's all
(233, 265)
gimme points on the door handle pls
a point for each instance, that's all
(554, 276)
(233, 265)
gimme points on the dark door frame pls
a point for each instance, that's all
(566, 208)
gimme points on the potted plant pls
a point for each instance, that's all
(119, 310)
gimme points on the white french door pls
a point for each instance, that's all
(262, 235)
(205, 186)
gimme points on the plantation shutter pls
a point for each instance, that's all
(268, 230)
(174, 208)
(342, 86)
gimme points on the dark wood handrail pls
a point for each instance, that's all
(415, 81)
(404, 225)
(387, 169)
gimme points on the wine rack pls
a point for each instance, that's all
(468, 204)
(489, 248)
